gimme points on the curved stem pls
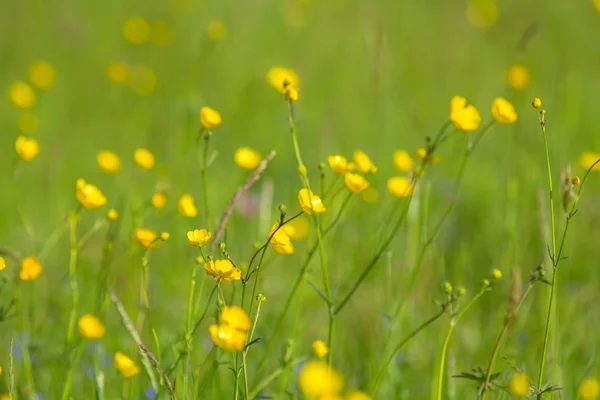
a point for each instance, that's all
(73, 247)
(265, 382)
(203, 166)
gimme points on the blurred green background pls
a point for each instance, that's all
(376, 75)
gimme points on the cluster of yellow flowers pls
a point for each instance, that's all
(319, 381)
(231, 333)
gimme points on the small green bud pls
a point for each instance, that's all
(461, 291)
(447, 288)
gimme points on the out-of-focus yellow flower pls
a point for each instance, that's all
(27, 123)
(112, 214)
(421, 153)
(536, 102)
(355, 394)
(27, 148)
(216, 30)
(297, 229)
(503, 111)
(164, 236)
(6, 396)
(482, 14)
(22, 95)
(363, 162)
(91, 327)
(310, 202)
(338, 163)
(282, 78)
(199, 237)
(144, 158)
(222, 270)
(464, 116)
(400, 186)
(158, 200)
(247, 158)
(210, 118)
(235, 317)
(370, 195)
(145, 237)
(142, 79)
(89, 195)
(587, 159)
(317, 379)
(108, 161)
(161, 33)
(319, 348)
(518, 385)
(517, 76)
(589, 389)
(42, 74)
(496, 273)
(117, 72)
(136, 30)
(30, 268)
(125, 365)
(186, 206)
(355, 183)
(280, 240)
(232, 331)
(2, 263)
(402, 160)
(291, 92)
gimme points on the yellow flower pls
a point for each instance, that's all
(144, 158)
(235, 317)
(587, 159)
(247, 158)
(589, 389)
(117, 72)
(27, 123)
(338, 163)
(112, 214)
(421, 153)
(158, 200)
(355, 394)
(91, 327)
(400, 186)
(503, 111)
(518, 385)
(216, 30)
(282, 78)
(596, 4)
(310, 202)
(317, 379)
(145, 237)
(355, 183)
(161, 33)
(297, 229)
(232, 332)
(496, 273)
(210, 118)
(42, 75)
(291, 93)
(464, 116)
(363, 162)
(21, 95)
(108, 161)
(164, 236)
(186, 206)
(222, 270)
(27, 148)
(482, 14)
(280, 240)
(2, 263)
(89, 195)
(198, 237)
(136, 30)
(125, 365)
(30, 268)
(402, 160)
(517, 76)
(5, 396)
(319, 348)
(370, 195)
(142, 79)
(536, 102)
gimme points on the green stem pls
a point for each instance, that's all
(203, 167)
(145, 266)
(73, 247)
(188, 332)
(69, 380)
(270, 378)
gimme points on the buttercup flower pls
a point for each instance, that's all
(2, 263)
(108, 161)
(319, 348)
(355, 183)
(402, 160)
(517, 76)
(536, 102)
(282, 78)
(216, 30)
(363, 162)
(235, 317)
(222, 270)
(158, 200)
(42, 75)
(421, 153)
(310, 202)
(186, 206)
(400, 186)
(198, 237)
(125, 365)
(91, 327)
(27, 148)
(145, 237)
(464, 116)
(161, 33)
(142, 79)
(280, 240)
(317, 379)
(164, 236)
(247, 158)
(587, 159)
(589, 389)
(136, 30)
(338, 163)
(30, 268)
(112, 214)
(89, 195)
(144, 158)
(297, 229)
(518, 385)
(21, 95)
(355, 394)
(496, 273)
(503, 111)
(117, 72)
(232, 331)
(27, 123)
(210, 118)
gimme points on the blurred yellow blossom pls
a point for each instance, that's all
(355, 183)
(400, 186)
(363, 162)
(402, 160)
(310, 202)
(142, 79)
(210, 118)
(596, 4)
(136, 30)
(144, 158)
(280, 240)
(235, 317)
(198, 237)
(589, 389)
(370, 195)
(319, 348)
(42, 74)
(117, 72)
(517, 76)
(158, 200)
(518, 385)
(338, 163)
(222, 270)
(2, 263)
(186, 206)
(355, 394)
(232, 331)
(125, 365)
(536, 102)
(496, 273)
(91, 327)
(503, 111)
(30, 268)
(161, 33)
(108, 161)
(145, 237)
(587, 159)
(297, 229)
(112, 214)
(22, 95)
(247, 158)
(164, 236)
(216, 30)
(27, 148)
(6, 396)
(89, 195)
(317, 379)
(421, 153)
(482, 14)
(282, 78)
(464, 116)
(27, 123)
